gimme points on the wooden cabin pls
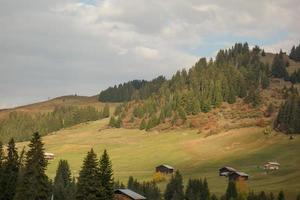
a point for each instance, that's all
(238, 176)
(271, 166)
(165, 169)
(49, 156)
(126, 194)
(225, 171)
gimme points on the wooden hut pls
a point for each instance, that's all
(49, 156)
(238, 176)
(126, 194)
(165, 169)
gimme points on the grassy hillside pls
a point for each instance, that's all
(48, 106)
(134, 152)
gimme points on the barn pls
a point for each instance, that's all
(126, 194)
(49, 156)
(225, 171)
(165, 169)
(238, 176)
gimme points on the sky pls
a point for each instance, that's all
(50, 48)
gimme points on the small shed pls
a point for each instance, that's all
(238, 176)
(126, 194)
(271, 166)
(165, 169)
(225, 171)
(49, 156)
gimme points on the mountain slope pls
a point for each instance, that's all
(134, 152)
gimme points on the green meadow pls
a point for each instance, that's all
(136, 153)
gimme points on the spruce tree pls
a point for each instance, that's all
(35, 184)
(89, 186)
(106, 176)
(105, 112)
(175, 188)
(11, 171)
(63, 187)
(281, 196)
(231, 192)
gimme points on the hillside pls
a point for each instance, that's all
(134, 152)
(49, 105)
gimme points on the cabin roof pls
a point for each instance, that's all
(166, 166)
(240, 173)
(228, 168)
(272, 163)
(49, 154)
(130, 194)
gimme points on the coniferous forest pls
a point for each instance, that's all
(22, 176)
(235, 73)
(20, 125)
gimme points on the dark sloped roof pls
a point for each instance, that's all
(130, 194)
(240, 173)
(228, 168)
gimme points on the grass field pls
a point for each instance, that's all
(134, 152)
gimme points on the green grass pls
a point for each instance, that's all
(134, 152)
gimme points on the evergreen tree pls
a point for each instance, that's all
(106, 176)
(281, 196)
(105, 112)
(11, 171)
(35, 184)
(278, 67)
(63, 188)
(89, 186)
(231, 192)
(175, 188)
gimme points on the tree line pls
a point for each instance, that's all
(136, 89)
(23, 177)
(295, 53)
(21, 125)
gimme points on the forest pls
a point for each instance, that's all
(20, 125)
(235, 73)
(22, 176)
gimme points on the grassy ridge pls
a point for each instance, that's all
(136, 153)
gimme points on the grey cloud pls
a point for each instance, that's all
(55, 47)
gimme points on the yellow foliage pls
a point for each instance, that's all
(159, 177)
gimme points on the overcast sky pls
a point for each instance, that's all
(50, 48)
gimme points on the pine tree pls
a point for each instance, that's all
(278, 67)
(106, 176)
(175, 188)
(35, 183)
(63, 187)
(89, 186)
(105, 112)
(231, 192)
(281, 196)
(11, 171)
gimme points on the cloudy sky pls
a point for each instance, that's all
(50, 48)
